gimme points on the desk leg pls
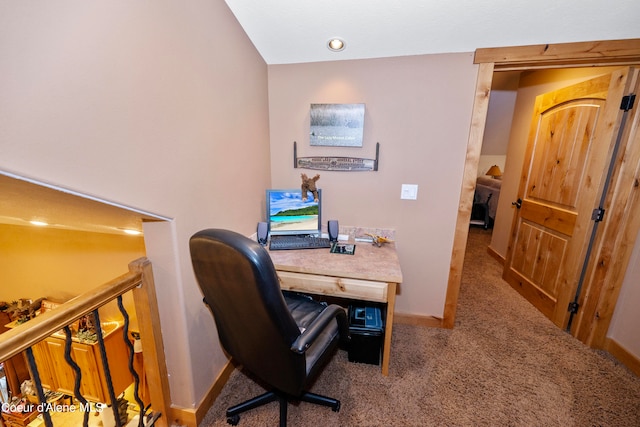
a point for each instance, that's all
(386, 349)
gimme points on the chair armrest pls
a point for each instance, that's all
(317, 327)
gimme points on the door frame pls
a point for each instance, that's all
(522, 58)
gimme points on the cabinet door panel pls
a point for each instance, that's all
(56, 374)
(43, 362)
(61, 369)
(85, 358)
(118, 356)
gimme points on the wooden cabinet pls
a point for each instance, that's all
(91, 385)
(56, 374)
(15, 369)
(43, 361)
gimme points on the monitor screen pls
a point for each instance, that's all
(287, 213)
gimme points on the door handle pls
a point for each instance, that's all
(517, 203)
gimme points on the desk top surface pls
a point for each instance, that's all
(369, 262)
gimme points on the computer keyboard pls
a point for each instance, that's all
(298, 242)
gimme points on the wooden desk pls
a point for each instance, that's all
(371, 274)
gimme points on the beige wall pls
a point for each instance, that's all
(623, 328)
(61, 264)
(495, 140)
(148, 104)
(626, 318)
(419, 109)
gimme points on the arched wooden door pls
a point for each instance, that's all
(570, 145)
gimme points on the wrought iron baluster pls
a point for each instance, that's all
(136, 377)
(105, 366)
(36, 378)
(77, 374)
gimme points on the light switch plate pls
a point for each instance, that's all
(409, 192)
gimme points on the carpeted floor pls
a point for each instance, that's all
(504, 364)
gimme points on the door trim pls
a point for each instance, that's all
(563, 55)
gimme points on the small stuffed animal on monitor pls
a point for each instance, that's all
(309, 184)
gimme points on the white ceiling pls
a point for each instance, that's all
(296, 31)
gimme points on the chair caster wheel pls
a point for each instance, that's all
(233, 420)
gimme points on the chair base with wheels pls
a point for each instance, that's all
(233, 413)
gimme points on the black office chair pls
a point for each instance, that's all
(283, 339)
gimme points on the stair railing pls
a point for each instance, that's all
(139, 280)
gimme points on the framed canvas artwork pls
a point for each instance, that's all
(337, 125)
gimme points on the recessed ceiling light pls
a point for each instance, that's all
(132, 232)
(336, 44)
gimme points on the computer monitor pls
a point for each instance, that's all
(287, 213)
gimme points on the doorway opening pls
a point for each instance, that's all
(506, 132)
(526, 59)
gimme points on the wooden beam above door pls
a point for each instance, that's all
(606, 52)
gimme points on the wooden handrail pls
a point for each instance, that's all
(25, 335)
(146, 305)
(140, 281)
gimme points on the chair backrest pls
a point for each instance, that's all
(240, 285)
